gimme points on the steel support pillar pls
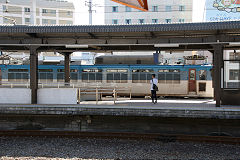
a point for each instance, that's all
(34, 73)
(218, 64)
(67, 68)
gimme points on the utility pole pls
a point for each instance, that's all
(90, 11)
(33, 12)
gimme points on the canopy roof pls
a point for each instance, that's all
(137, 4)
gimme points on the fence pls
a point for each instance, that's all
(98, 91)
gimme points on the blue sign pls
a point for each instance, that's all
(222, 10)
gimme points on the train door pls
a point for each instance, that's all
(192, 80)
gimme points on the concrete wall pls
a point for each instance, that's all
(57, 96)
(15, 95)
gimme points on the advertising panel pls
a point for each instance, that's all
(222, 10)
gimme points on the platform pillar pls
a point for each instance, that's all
(218, 64)
(66, 68)
(33, 73)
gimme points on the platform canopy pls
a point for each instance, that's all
(137, 4)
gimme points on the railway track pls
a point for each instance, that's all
(158, 137)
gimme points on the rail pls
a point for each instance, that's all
(83, 88)
(124, 135)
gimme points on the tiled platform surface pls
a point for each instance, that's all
(188, 108)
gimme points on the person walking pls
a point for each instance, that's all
(154, 88)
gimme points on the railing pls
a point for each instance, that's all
(83, 89)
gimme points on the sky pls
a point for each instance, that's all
(81, 12)
(82, 16)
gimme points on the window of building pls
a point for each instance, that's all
(234, 74)
(4, 8)
(114, 21)
(18, 75)
(128, 9)
(91, 75)
(53, 12)
(234, 56)
(128, 21)
(44, 21)
(168, 8)
(181, 20)
(117, 76)
(168, 20)
(155, 8)
(142, 75)
(27, 20)
(154, 20)
(69, 13)
(202, 75)
(181, 8)
(141, 21)
(69, 22)
(53, 21)
(26, 9)
(44, 11)
(114, 9)
(169, 76)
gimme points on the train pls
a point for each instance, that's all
(173, 80)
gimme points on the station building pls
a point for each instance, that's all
(47, 12)
(170, 11)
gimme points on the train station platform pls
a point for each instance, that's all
(185, 108)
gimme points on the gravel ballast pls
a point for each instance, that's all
(25, 148)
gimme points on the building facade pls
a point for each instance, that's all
(164, 11)
(48, 12)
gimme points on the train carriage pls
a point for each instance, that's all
(174, 80)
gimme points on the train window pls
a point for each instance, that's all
(117, 76)
(85, 77)
(135, 78)
(45, 75)
(73, 75)
(169, 76)
(176, 78)
(141, 75)
(18, 70)
(202, 87)
(19, 75)
(11, 77)
(91, 75)
(124, 78)
(98, 77)
(45, 70)
(109, 78)
(161, 78)
(202, 75)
